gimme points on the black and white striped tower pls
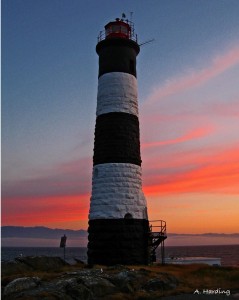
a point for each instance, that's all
(118, 222)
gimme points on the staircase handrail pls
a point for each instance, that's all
(161, 226)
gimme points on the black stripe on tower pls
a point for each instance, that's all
(118, 241)
(117, 139)
(117, 55)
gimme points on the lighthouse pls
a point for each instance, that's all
(118, 221)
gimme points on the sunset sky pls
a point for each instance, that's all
(188, 82)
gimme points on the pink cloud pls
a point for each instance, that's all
(193, 134)
(226, 109)
(219, 64)
(215, 171)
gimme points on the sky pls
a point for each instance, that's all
(188, 84)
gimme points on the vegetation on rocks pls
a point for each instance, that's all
(51, 278)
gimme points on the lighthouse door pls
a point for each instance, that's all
(128, 216)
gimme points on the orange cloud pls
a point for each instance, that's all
(194, 134)
(219, 64)
(38, 211)
(202, 173)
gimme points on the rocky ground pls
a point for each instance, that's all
(49, 278)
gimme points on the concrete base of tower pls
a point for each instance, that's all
(118, 241)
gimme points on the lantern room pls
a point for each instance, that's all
(118, 28)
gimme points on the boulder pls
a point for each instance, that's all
(99, 286)
(78, 291)
(42, 263)
(154, 284)
(21, 284)
(127, 281)
(163, 282)
(73, 288)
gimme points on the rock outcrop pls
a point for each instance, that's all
(51, 278)
(77, 283)
(32, 263)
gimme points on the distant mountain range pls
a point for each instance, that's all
(49, 233)
(205, 234)
(40, 232)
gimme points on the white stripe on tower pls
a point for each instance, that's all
(116, 191)
(117, 92)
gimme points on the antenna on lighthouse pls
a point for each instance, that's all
(147, 42)
(131, 16)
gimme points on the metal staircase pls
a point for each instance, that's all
(157, 236)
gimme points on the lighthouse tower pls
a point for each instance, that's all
(118, 222)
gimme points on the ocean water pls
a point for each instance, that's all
(10, 253)
(229, 254)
